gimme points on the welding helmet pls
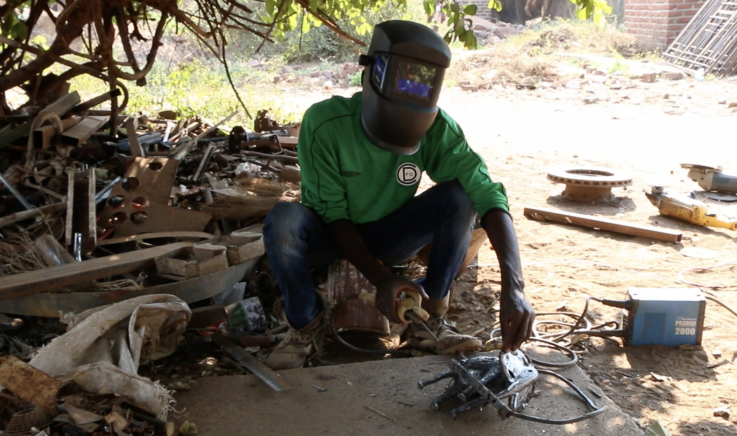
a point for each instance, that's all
(403, 74)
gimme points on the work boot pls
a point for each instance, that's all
(293, 350)
(449, 339)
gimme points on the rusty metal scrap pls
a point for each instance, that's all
(208, 182)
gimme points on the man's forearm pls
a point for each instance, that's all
(344, 235)
(500, 230)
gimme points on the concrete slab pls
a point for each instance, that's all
(243, 405)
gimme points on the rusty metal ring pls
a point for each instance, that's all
(589, 176)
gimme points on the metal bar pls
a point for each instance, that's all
(255, 366)
(15, 193)
(603, 224)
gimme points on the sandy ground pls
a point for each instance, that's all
(647, 130)
(522, 133)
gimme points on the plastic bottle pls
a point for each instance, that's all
(699, 76)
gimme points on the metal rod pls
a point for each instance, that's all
(603, 224)
(252, 364)
(15, 193)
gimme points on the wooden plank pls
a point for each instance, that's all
(27, 214)
(30, 384)
(50, 305)
(59, 107)
(179, 235)
(83, 130)
(49, 279)
(603, 224)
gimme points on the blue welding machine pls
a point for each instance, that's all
(664, 316)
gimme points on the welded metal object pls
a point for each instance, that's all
(589, 185)
(486, 379)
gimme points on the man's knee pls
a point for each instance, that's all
(284, 221)
(455, 199)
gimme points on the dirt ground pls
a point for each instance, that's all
(522, 133)
(646, 130)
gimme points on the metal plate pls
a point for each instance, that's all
(196, 289)
(590, 176)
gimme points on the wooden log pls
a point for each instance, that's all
(603, 224)
(49, 279)
(59, 107)
(27, 214)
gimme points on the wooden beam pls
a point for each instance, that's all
(56, 277)
(59, 107)
(78, 134)
(27, 214)
(603, 224)
(142, 237)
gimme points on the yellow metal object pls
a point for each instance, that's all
(411, 302)
(688, 209)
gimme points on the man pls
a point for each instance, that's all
(362, 159)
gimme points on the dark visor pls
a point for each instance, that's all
(411, 79)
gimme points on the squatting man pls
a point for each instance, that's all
(361, 160)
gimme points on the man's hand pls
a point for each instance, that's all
(345, 236)
(388, 289)
(515, 314)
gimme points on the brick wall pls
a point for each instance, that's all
(656, 23)
(482, 9)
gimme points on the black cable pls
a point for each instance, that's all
(597, 410)
(353, 347)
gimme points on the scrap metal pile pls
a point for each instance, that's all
(506, 382)
(96, 210)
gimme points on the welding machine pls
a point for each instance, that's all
(664, 316)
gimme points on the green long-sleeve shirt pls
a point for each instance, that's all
(344, 176)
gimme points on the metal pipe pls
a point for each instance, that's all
(15, 193)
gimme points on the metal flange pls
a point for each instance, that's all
(587, 184)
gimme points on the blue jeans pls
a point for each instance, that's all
(296, 240)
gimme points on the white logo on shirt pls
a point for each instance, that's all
(408, 174)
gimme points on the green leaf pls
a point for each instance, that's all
(455, 7)
(19, 30)
(40, 40)
(459, 28)
(270, 7)
(471, 42)
(429, 6)
(470, 9)
(305, 26)
(656, 429)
